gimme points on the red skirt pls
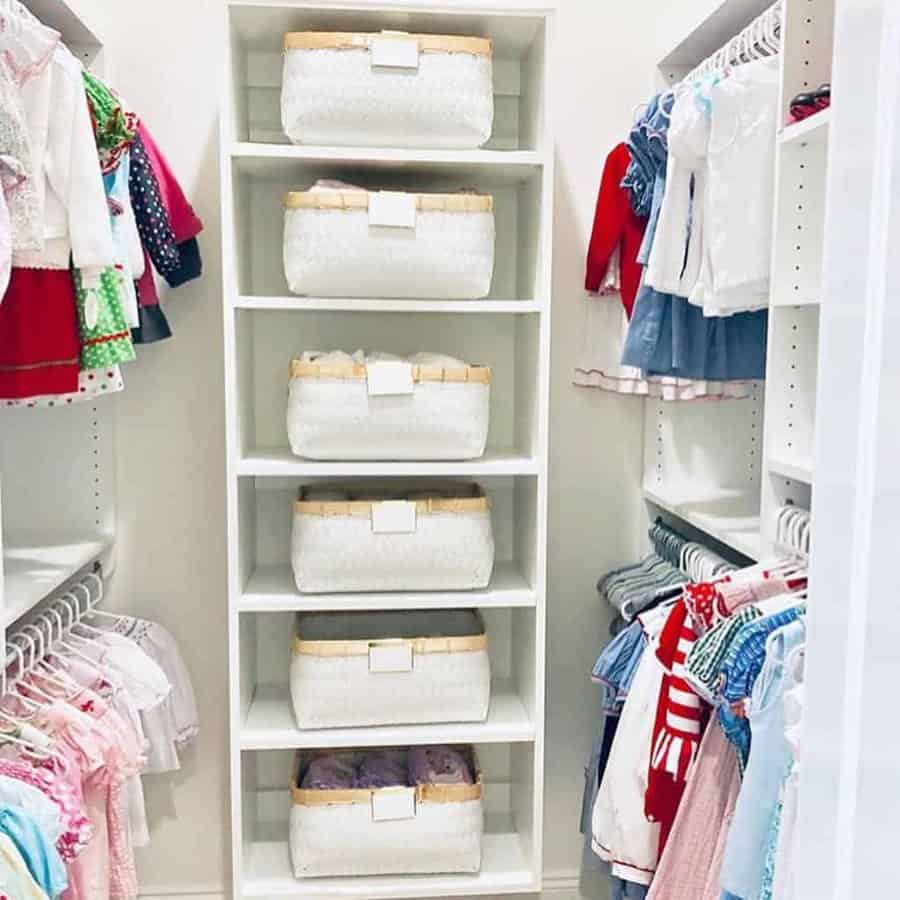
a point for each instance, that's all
(39, 343)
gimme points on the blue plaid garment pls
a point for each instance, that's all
(745, 657)
(616, 666)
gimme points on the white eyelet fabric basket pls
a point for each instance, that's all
(392, 539)
(336, 833)
(443, 411)
(388, 90)
(359, 669)
(436, 247)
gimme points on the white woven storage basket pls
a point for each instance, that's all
(335, 833)
(332, 416)
(444, 250)
(445, 543)
(388, 90)
(356, 669)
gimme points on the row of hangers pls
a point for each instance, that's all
(31, 650)
(760, 39)
(793, 531)
(698, 562)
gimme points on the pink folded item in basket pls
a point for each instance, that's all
(330, 773)
(438, 765)
(383, 768)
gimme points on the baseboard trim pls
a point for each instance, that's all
(183, 892)
(560, 885)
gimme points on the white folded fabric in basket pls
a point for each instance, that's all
(337, 411)
(357, 243)
(388, 90)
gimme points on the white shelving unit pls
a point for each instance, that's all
(725, 468)
(266, 326)
(59, 521)
(799, 236)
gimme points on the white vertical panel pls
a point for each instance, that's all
(848, 826)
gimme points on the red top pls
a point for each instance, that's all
(615, 225)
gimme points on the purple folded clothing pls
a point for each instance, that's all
(329, 773)
(383, 768)
(438, 765)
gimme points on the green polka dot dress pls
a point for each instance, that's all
(105, 336)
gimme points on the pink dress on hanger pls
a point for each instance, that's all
(690, 865)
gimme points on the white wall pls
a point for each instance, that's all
(165, 58)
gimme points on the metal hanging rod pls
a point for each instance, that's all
(761, 37)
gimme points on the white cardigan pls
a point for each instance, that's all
(73, 201)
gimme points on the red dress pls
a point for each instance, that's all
(39, 340)
(680, 720)
(615, 227)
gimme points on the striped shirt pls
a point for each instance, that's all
(745, 657)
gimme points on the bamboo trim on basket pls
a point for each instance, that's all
(363, 508)
(356, 40)
(425, 793)
(332, 199)
(421, 645)
(358, 371)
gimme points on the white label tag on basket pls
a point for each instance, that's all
(394, 517)
(392, 209)
(396, 53)
(390, 804)
(389, 378)
(390, 657)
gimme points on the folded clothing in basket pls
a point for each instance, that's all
(330, 773)
(438, 765)
(363, 357)
(376, 769)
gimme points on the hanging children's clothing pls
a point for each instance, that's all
(69, 185)
(621, 833)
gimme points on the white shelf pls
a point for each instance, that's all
(504, 870)
(798, 469)
(34, 569)
(282, 463)
(78, 21)
(729, 516)
(509, 166)
(811, 300)
(373, 304)
(271, 589)
(812, 130)
(270, 725)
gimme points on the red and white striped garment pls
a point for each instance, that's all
(681, 718)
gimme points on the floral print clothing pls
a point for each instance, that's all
(56, 784)
(115, 127)
(23, 201)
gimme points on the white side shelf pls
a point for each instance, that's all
(729, 516)
(812, 130)
(284, 464)
(505, 869)
(270, 726)
(507, 166)
(36, 568)
(798, 469)
(80, 22)
(271, 589)
(374, 304)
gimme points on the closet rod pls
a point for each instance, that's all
(764, 30)
(72, 606)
